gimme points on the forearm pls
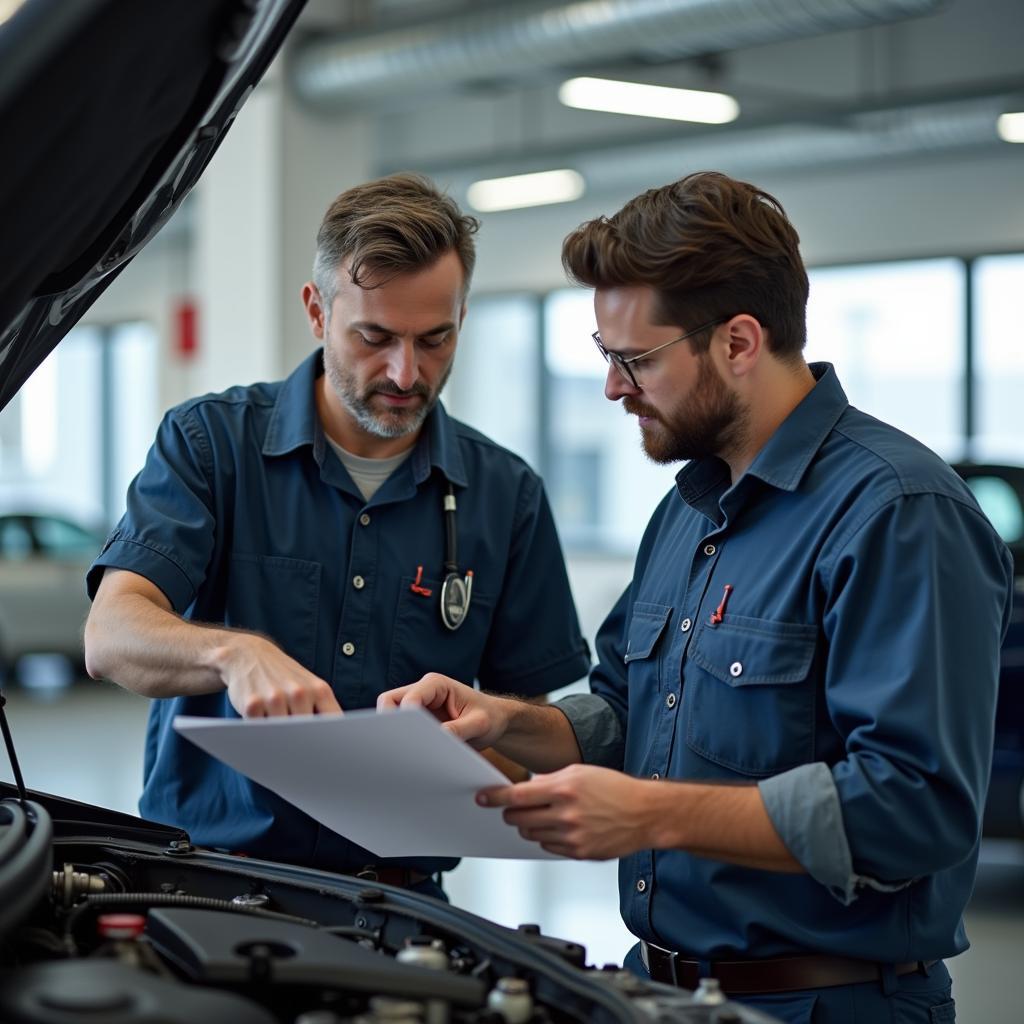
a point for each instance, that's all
(538, 737)
(726, 823)
(153, 651)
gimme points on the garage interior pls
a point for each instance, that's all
(884, 127)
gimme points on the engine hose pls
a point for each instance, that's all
(98, 901)
(27, 862)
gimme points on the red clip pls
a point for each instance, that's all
(719, 612)
(416, 588)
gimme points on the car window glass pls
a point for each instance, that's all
(15, 540)
(1000, 502)
(61, 539)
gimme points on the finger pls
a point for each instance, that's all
(561, 849)
(391, 699)
(535, 793)
(519, 795)
(533, 817)
(324, 700)
(300, 700)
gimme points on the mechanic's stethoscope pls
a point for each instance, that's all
(456, 591)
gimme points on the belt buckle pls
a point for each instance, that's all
(661, 962)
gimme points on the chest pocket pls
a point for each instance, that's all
(278, 597)
(421, 642)
(645, 630)
(750, 701)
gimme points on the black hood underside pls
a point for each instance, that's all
(109, 111)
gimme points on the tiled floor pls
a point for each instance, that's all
(87, 744)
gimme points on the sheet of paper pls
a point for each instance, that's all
(394, 782)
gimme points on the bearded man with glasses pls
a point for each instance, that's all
(788, 736)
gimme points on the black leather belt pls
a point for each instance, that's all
(778, 974)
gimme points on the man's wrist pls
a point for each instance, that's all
(656, 810)
(223, 655)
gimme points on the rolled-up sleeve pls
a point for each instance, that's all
(918, 602)
(598, 718)
(168, 529)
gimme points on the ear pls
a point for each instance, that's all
(315, 312)
(741, 345)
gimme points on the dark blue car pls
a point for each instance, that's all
(1000, 492)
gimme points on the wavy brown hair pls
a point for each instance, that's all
(711, 247)
(391, 226)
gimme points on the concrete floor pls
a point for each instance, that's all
(86, 743)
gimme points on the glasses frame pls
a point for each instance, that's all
(622, 364)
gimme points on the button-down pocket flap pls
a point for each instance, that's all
(646, 626)
(752, 652)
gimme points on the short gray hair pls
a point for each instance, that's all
(391, 226)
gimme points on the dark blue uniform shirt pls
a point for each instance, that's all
(852, 677)
(244, 516)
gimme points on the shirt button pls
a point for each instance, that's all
(358, 582)
(655, 775)
(685, 625)
(641, 885)
(736, 669)
(709, 549)
(670, 700)
(364, 519)
(348, 648)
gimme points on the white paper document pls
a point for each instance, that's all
(394, 782)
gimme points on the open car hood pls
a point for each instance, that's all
(109, 112)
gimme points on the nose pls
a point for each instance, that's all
(616, 386)
(403, 365)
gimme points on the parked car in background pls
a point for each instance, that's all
(43, 604)
(1000, 492)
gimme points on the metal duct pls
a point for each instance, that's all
(870, 137)
(340, 71)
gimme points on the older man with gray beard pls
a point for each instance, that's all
(303, 546)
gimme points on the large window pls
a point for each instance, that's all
(895, 332)
(899, 334)
(999, 358)
(494, 385)
(602, 486)
(78, 431)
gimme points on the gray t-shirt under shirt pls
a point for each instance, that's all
(369, 474)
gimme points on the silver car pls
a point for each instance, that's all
(43, 604)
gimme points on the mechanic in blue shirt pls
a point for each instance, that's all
(789, 734)
(304, 545)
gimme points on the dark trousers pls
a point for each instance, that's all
(908, 999)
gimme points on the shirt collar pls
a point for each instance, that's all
(294, 423)
(783, 461)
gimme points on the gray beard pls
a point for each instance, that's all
(387, 425)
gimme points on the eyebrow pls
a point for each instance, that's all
(625, 353)
(368, 325)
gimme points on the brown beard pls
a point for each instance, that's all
(709, 421)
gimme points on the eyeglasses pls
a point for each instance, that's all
(623, 365)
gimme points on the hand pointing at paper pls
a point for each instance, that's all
(577, 810)
(536, 736)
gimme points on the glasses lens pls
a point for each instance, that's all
(616, 360)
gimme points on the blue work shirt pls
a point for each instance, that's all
(852, 676)
(244, 516)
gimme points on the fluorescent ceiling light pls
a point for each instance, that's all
(521, 190)
(649, 100)
(1011, 127)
